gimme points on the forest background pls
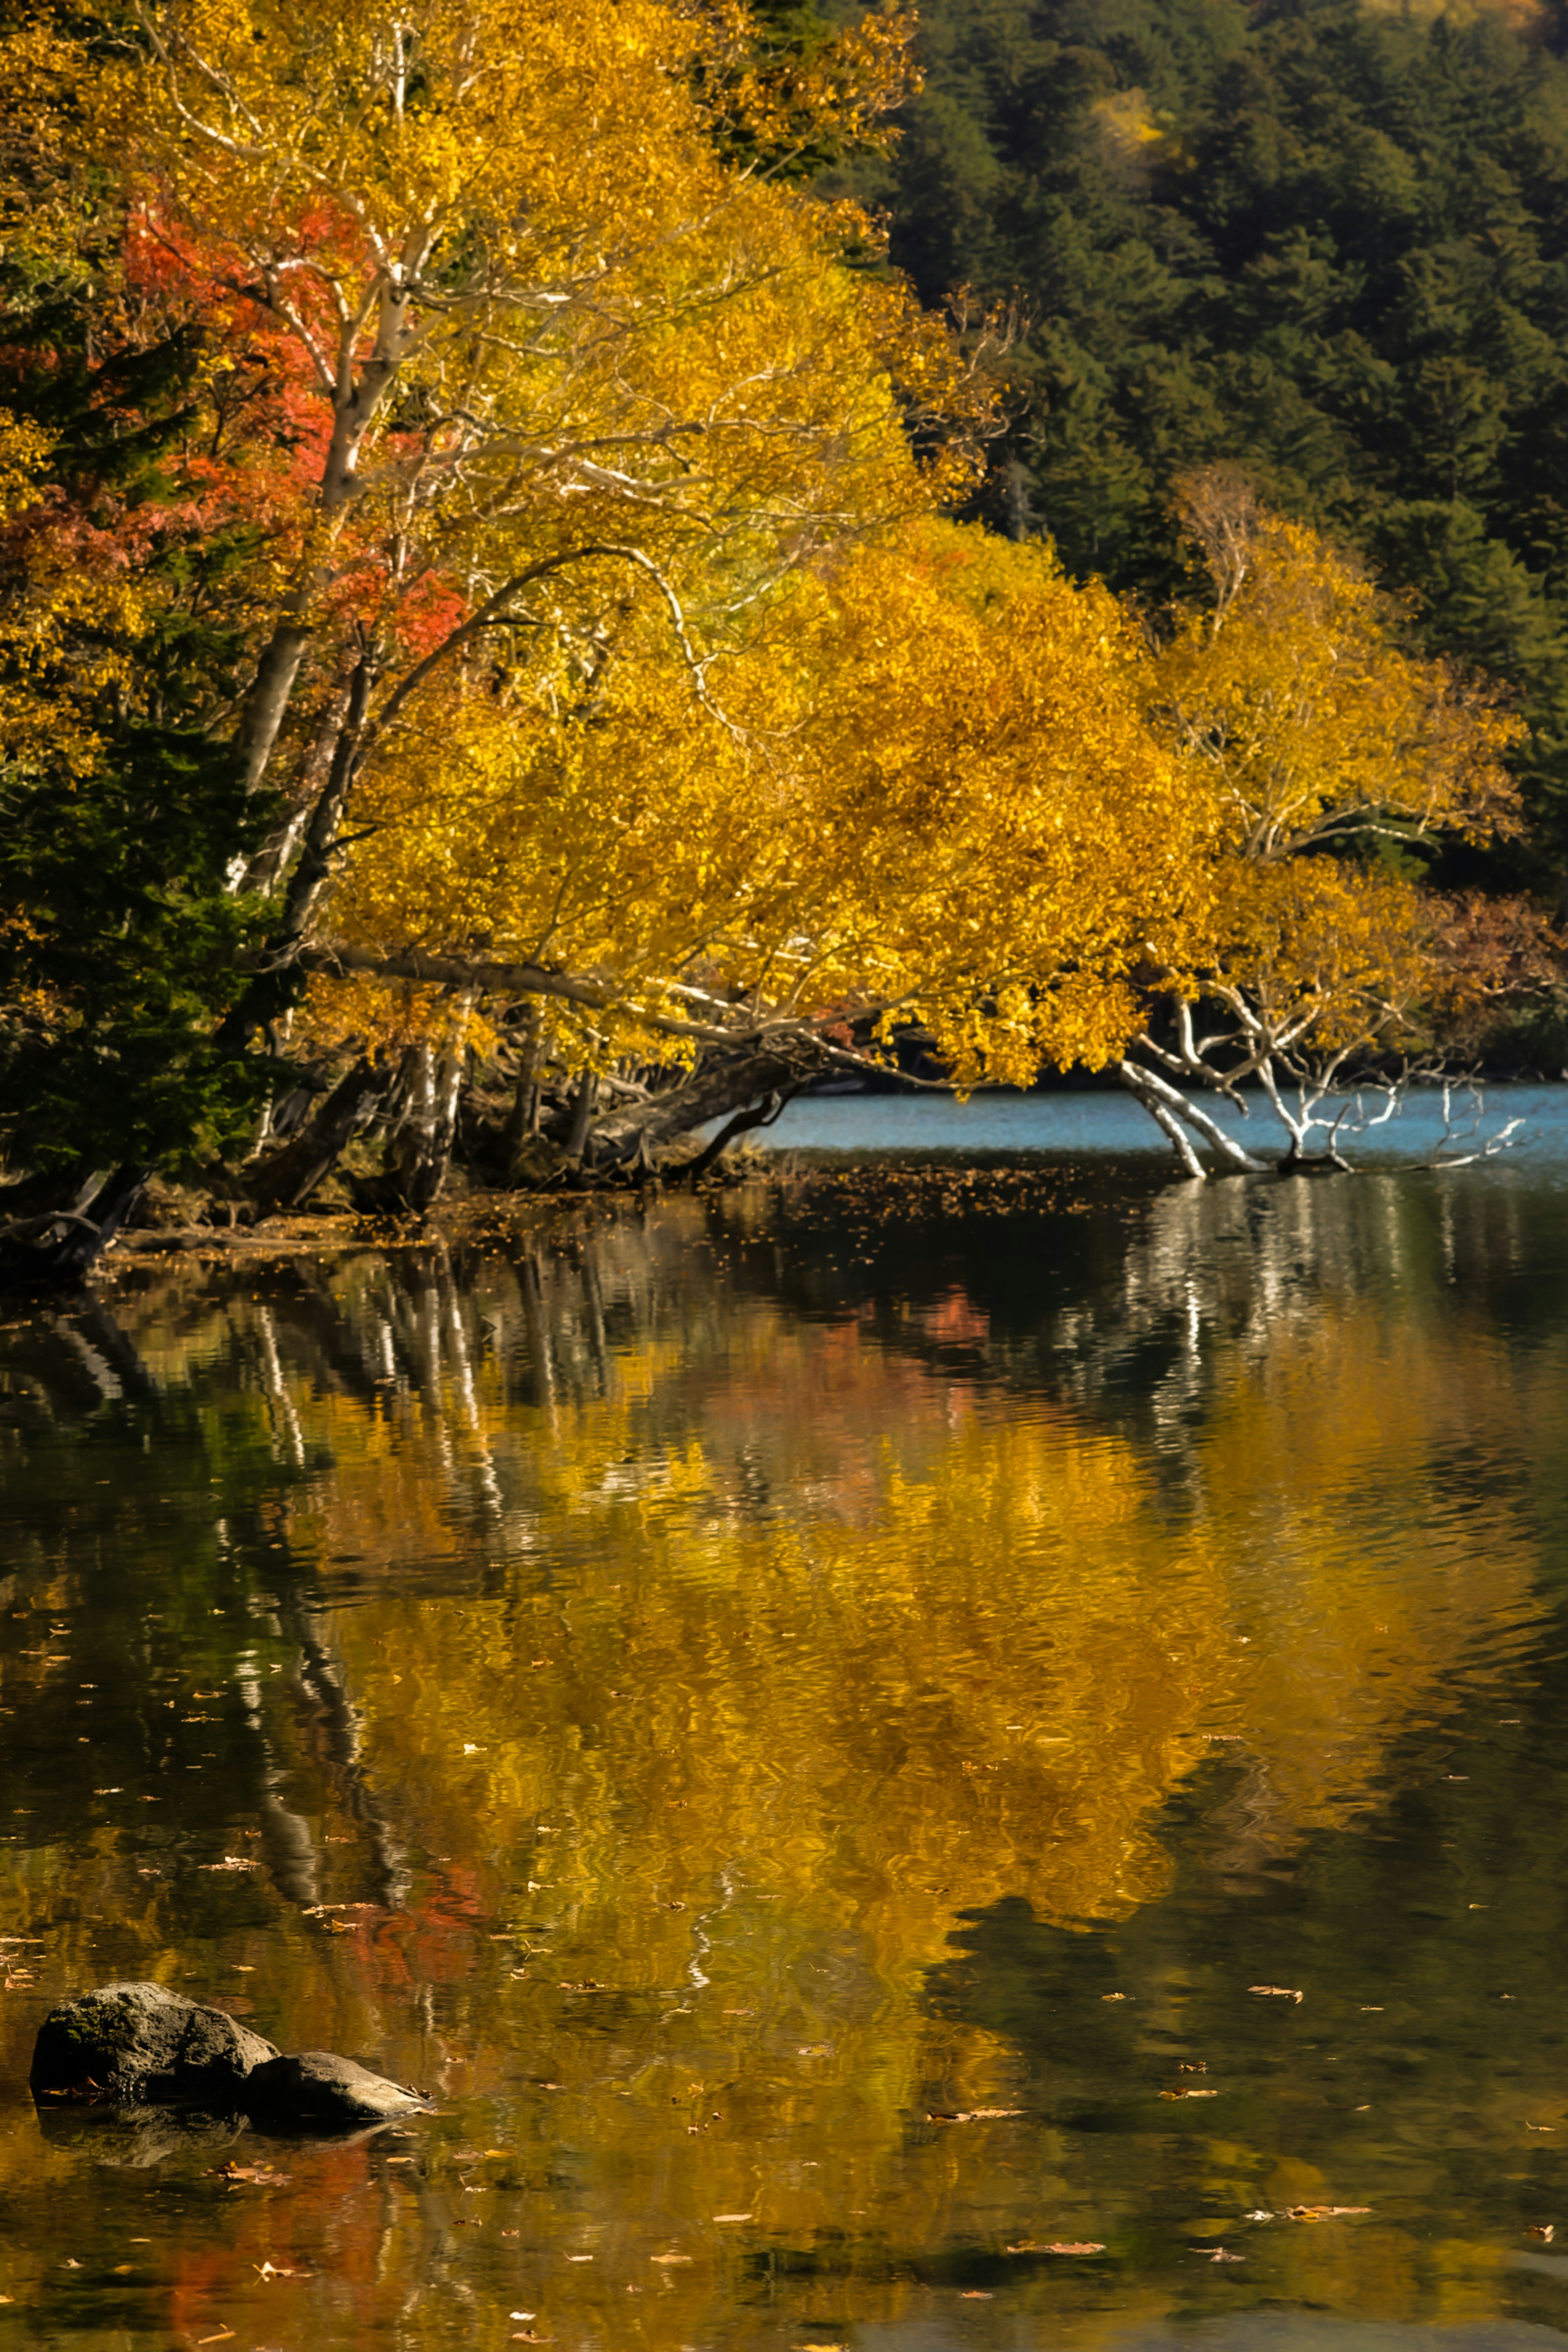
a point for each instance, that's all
(522, 636)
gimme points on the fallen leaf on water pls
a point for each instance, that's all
(1189, 2094)
(1191, 2066)
(272, 2271)
(1321, 2212)
(522, 2315)
(1277, 1993)
(1215, 2254)
(579, 2258)
(815, 2049)
(670, 2257)
(976, 2295)
(1547, 2230)
(1026, 2246)
(1113, 1996)
(1547, 2127)
(224, 2336)
(734, 2217)
(1085, 2248)
(254, 2172)
(72, 2263)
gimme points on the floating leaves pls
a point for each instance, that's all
(1275, 1992)
(1547, 2230)
(255, 2174)
(1185, 2094)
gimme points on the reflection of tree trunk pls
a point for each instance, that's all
(321, 1677)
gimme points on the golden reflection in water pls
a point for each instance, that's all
(710, 1663)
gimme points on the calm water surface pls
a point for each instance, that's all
(803, 1717)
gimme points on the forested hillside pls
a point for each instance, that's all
(1318, 240)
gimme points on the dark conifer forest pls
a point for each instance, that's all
(1322, 241)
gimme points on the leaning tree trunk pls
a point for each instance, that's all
(722, 1084)
(281, 1180)
(53, 1249)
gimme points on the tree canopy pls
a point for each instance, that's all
(480, 599)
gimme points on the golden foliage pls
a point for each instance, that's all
(917, 782)
(1295, 689)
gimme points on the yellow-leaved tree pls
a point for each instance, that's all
(1332, 751)
(915, 787)
(629, 716)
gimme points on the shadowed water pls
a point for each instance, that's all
(803, 1717)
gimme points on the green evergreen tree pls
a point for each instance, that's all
(1326, 243)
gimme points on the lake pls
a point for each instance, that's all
(922, 1756)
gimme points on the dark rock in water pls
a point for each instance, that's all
(128, 2049)
(134, 2044)
(315, 2087)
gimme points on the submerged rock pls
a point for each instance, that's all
(314, 2087)
(140, 2044)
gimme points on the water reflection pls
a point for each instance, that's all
(715, 1692)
